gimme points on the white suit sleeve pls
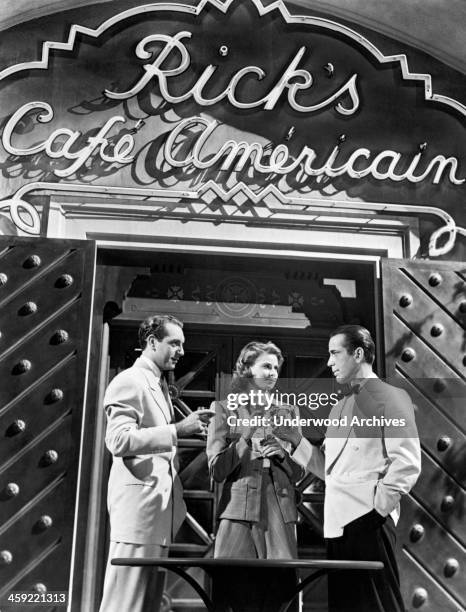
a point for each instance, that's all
(123, 402)
(403, 453)
(310, 457)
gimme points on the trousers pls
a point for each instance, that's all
(370, 537)
(133, 589)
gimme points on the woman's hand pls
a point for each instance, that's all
(248, 431)
(270, 447)
(288, 434)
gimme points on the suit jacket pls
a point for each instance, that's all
(365, 465)
(233, 462)
(145, 496)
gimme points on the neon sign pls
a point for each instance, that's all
(235, 156)
(60, 143)
(294, 80)
(260, 166)
(232, 156)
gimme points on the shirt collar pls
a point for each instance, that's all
(362, 381)
(153, 367)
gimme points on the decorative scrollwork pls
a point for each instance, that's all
(441, 241)
(18, 209)
(451, 230)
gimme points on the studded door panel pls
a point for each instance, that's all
(45, 301)
(425, 345)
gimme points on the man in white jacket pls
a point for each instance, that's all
(370, 458)
(145, 496)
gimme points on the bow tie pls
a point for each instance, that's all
(348, 390)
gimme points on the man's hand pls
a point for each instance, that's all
(288, 434)
(196, 423)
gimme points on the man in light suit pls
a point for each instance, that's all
(371, 458)
(145, 497)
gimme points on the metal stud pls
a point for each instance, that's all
(33, 261)
(50, 457)
(422, 147)
(406, 300)
(17, 427)
(341, 139)
(3, 279)
(223, 51)
(5, 557)
(63, 281)
(45, 522)
(22, 367)
(447, 503)
(419, 597)
(59, 337)
(27, 309)
(12, 489)
(39, 587)
(439, 386)
(444, 443)
(436, 330)
(451, 568)
(55, 395)
(408, 354)
(417, 532)
(435, 279)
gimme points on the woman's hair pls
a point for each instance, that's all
(247, 358)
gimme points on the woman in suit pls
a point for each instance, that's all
(257, 510)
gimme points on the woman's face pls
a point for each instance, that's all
(265, 371)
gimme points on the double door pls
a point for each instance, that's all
(50, 417)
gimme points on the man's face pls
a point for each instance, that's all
(168, 350)
(344, 365)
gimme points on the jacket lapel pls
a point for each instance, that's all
(337, 436)
(155, 388)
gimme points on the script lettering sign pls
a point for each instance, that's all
(244, 99)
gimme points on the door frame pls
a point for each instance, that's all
(89, 554)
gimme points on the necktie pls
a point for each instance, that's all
(166, 393)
